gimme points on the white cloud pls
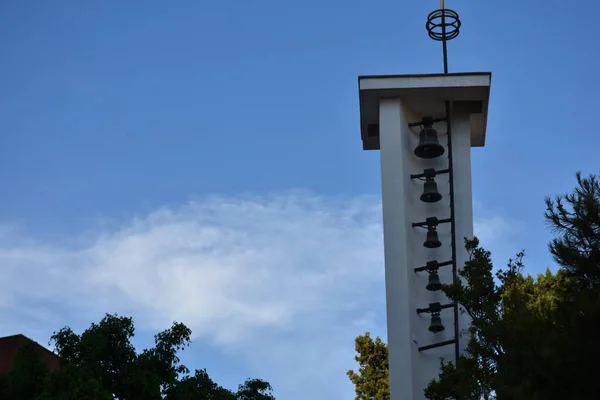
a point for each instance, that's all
(287, 279)
(499, 234)
(494, 225)
(492, 229)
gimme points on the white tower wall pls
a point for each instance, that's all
(410, 369)
(388, 104)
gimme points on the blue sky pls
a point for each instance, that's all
(202, 162)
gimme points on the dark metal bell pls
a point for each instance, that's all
(436, 324)
(432, 241)
(434, 282)
(429, 146)
(430, 192)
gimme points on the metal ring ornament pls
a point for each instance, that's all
(443, 24)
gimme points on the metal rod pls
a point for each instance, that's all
(444, 45)
(423, 175)
(433, 346)
(424, 310)
(440, 221)
(442, 264)
(452, 224)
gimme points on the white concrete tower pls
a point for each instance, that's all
(389, 105)
(424, 127)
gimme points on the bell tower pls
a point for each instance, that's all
(424, 127)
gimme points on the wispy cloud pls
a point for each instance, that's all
(288, 279)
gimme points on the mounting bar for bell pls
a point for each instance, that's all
(434, 307)
(430, 173)
(427, 121)
(435, 345)
(433, 221)
(433, 265)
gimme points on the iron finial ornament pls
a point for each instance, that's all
(443, 25)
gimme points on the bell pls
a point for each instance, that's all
(434, 282)
(429, 146)
(432, 241)
(436, 324)
(430, 192)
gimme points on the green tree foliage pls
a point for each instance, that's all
(104, 352)
(534, 338)
(71, 383)
(198, 386)
(255, 389)
(102, 364)
(372, 379)
(531, 337)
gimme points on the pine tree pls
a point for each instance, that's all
(372, 379)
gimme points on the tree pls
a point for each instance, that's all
(533, 338)
(372, 379)
(255, 389)
(530, 338)
(101, 363)
(201, 386)
(575, 219)
(104, 352)
(198, 386)
(71, 383)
